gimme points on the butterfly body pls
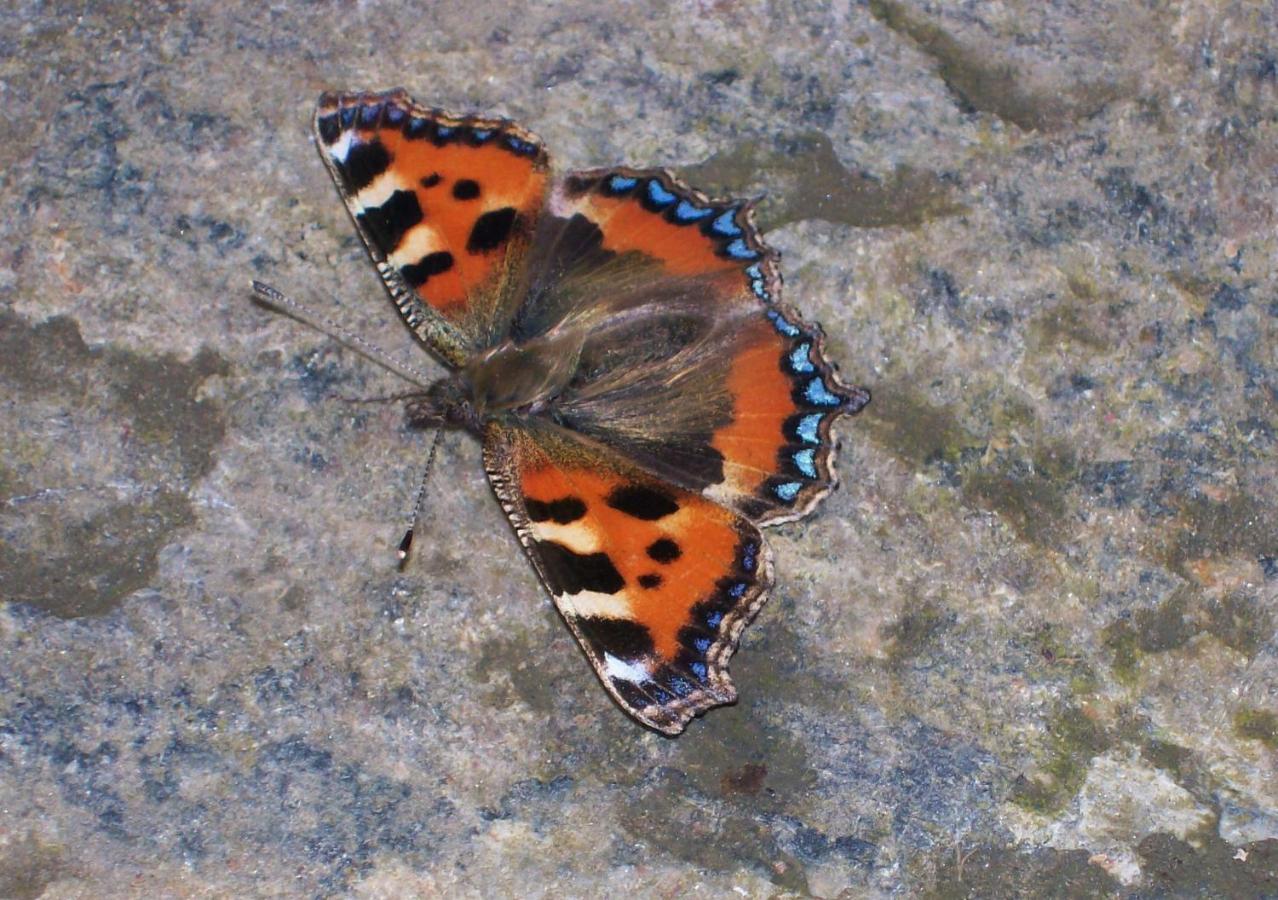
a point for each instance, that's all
(617, 341)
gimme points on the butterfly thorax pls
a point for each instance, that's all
(521, 378)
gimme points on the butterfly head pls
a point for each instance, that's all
(446, 403)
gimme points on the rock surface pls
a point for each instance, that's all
(1029, 647)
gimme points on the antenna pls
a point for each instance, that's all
(406, 544)
(272, 298)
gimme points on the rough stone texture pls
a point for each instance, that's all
(1030, 646)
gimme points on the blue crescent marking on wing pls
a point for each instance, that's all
(686, 212)
(725, 224)
(808, 426)
(782, 325)
(819, 395)
(788, 491)
(799, 361)
(658, 194)
(620, 183)
(804, 461)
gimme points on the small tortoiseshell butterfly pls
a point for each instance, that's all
(618, 342)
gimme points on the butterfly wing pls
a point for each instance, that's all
(692, 367)
(446, 205)
(656, 582)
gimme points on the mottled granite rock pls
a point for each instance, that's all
(1029, 647)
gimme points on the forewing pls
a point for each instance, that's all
(656, 582)
(447, 205)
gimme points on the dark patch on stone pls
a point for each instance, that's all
(1257, 725)
(1146, 212)
(856, 850)
(1228, 297)
(916, 631)
(387, 224)
(73, 549)
(664, 550)
(1240, 622)
(1207, 867)
(515, 669)
(572, 573)
(561, 511)
(999, 871)
(1114, 484)
(417, 274)
(28, 867)
(747, 779)
(1072, 740)
(466, 189)
(642, 502)
(491, 230)
(824, 187)
(673, 803)
(720, 77)
(981, 81)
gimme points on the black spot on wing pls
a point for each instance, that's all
(576, 185)
(642, 502)
(466, 189)
(561, 511)
(431, 180)
(387, 224)
(664, 550)
(430, 264)
(623, 638)
(650, 580)
(491, 230)
(363, 163)
(329, 129)
(572, 573)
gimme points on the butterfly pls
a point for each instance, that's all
(617, 341)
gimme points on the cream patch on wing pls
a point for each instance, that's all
(578, 536)
(596, 605)
(625, 671)
(420, 241)
(342, 149)
(380, 189)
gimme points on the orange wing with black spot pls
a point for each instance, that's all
(655, 581)
(446, 205)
